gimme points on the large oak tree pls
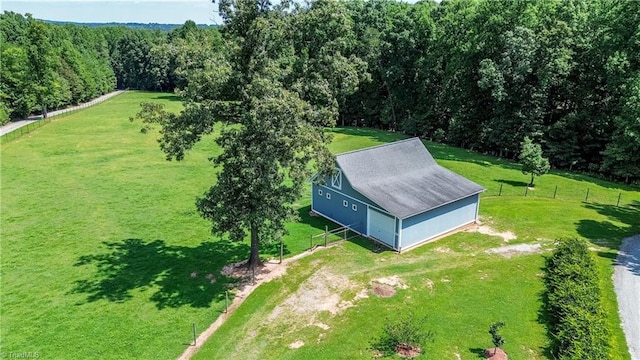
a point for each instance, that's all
(271, 128)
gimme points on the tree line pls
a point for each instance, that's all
(477, 74)
(50, 66)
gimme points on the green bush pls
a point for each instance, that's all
(4, 114)
(402, 332)
(574, 303)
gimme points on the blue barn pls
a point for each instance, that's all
(396, 194)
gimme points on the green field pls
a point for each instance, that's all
(104, 255)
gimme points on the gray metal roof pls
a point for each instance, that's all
(403, 178)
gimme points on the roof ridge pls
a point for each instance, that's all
(381, 145)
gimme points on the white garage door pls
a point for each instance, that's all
(382, 227)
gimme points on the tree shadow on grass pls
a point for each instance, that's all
(273, 248)
(587, 178)
(606, 233)
(479, 352)
(374, 134)
(544, 317)
(629, 260)
(512, 183)
(177, 275)
(164, 96)
(315, 221)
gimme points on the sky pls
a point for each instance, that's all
(100, 11)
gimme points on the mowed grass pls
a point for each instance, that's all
(104, 255)
(103, 252)
(458, 287)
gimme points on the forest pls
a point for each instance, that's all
(480, 74)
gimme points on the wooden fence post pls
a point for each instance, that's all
(281, 250)
(326, 230)
(619, 196)
(194, 334)
(586, 198)
(526, 190)
(500, 192)
(555, 192)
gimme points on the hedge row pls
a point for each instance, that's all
(574, 303)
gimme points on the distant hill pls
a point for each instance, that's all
(151, 26)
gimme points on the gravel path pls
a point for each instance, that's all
(626, 281)
(14, 125)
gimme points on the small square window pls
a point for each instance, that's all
(354, 207)
(345, 203)
(320, 192)
(328, 195)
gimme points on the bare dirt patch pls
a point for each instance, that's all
(386, 286)
(322, 326)
(408, 351)
(320, 292)
(495, 354)
(429, 283)
(443, 250)
(513, 250)
(487, 230)
(245, 287)
(383, 290)
(296, 345)
(393, 281)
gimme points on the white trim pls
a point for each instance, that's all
(319, 192)
(368, 219)
(393, 241)
(477, 208)
(336, 180)
(354, 207)
(328, 196)
(345, 203)
(399, 234)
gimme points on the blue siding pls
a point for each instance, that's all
(335, 210)
(425, 226)
(415, 230)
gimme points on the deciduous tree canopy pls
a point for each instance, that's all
(478, 74)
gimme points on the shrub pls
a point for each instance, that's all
(404, 332)
(574, 303)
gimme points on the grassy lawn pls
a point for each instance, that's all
(459, 287)
(100, 239)
(453, 282)
(104, 256)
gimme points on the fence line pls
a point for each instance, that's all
(329, 236)
(587, 195)
(41, 121)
